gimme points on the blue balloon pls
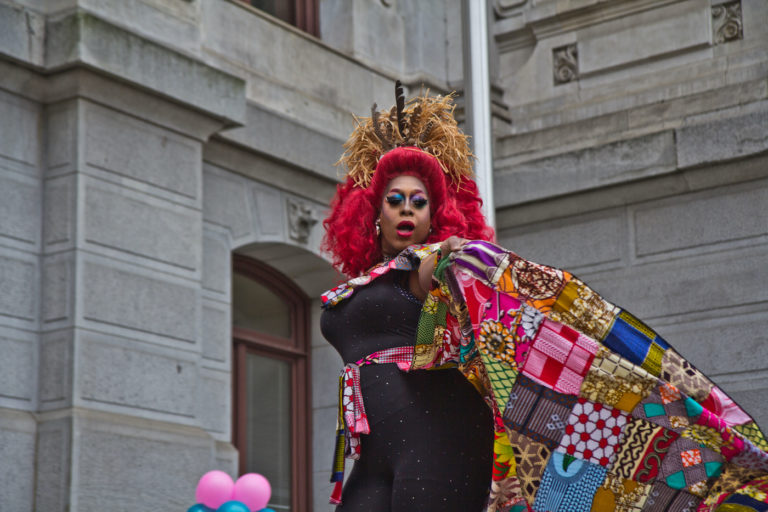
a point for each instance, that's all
(233, 506)
(266, 510)
(200, 508)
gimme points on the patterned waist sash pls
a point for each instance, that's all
(352, 420)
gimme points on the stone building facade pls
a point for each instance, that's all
(144, 144)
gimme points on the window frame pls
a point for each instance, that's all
(295, 350)
(306, 15)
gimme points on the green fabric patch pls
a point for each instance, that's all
(502, 377)
(693, 408)
(652, 410)
(676, 480)
(713, 468)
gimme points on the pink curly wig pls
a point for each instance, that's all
(350, 233)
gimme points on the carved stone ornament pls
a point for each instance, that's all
(301, 218)
(506, 8)
(565, 62)
(726, 22)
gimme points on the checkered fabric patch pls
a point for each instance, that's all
(559, 357)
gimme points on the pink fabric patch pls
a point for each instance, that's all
(559, 357)
(720, 404)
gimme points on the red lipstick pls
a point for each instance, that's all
(405, 229)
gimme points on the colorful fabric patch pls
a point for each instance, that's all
(494, 339)
(502, 378)
(579, 307)
(732, 478)
(530, 461)
(559, 357)
(752, 432)
(739, 502)
(642, 450)
(684, 376)
(538, 412)
(688, 466)
(621, 495)
(751, 457)
(721, 404)
(593, 432)
(632, 339)
(537, 285)
(704, 436)
(568, 485)
(665, 498)
(667, 407)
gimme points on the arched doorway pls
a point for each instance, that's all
(271, 406)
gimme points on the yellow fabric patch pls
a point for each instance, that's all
(652, 361)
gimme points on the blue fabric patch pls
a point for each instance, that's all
(629, 342)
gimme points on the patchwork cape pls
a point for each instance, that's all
(593, 410)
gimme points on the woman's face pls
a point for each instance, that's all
(404, 217)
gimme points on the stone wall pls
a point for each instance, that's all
(637, 159)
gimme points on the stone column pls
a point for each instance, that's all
(106, 400)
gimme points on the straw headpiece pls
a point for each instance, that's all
(425, 122)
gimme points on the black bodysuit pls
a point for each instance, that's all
(431, 440)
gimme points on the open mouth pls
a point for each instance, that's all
(405, 229)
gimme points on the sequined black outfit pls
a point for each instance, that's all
(431, 440)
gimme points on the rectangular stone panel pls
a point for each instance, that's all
(18, 275)
(61, 127)
(571, 243)
(148, 378)
(214, 405)
(217, 331)
(17, 471)
(53, 463)
(142, 225)
(217, 262)
(128, 147)
(723, 139)
(57, 285)
(123, 297)
(639, 37)
(696, 220)
(18, 365)
(585, 169)
(139, 463)
(56, 367)
(59, 210)
(19, 207)
(19, 134)
(225, 202)
(684, 285)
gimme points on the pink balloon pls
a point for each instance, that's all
(214, 489)
(253, 490)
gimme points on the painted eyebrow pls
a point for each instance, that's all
(414, 192)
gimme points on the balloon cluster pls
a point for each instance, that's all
(216, 492)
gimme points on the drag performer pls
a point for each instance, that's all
(539, 395)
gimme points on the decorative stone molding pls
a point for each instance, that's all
(506, 8)
(726, 22)
(301, 218)
(565, 64)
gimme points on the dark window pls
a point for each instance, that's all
(299, 13)
(271, 395)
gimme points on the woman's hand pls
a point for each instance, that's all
(449, 245)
